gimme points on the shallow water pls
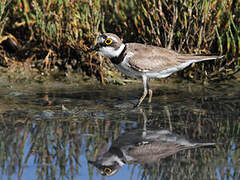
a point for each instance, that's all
(51, 132)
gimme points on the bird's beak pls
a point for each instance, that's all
(95, 48)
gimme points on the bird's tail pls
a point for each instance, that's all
(198, 58)
(205, 144)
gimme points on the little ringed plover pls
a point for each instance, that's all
(144, 61)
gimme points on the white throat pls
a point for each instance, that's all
(110, 51)
(113, 158)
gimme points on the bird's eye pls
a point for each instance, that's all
(107, 171)
(108, 41)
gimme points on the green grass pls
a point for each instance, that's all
(58, 32)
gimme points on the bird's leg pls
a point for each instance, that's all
(145, 90)
(142, 97)
(150, 95)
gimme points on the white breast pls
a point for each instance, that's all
(125, 67)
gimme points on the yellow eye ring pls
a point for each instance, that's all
(107, 171)
(108, 41)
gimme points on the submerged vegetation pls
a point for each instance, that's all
(52, 36)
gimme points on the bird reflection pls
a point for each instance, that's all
(142, 146)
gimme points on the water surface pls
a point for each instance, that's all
(51, 132)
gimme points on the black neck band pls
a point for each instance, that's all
(118, 152)
(119, 59)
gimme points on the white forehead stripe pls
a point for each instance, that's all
(100, 39)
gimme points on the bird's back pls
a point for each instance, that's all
(153, 58)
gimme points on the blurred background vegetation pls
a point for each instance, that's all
(52, 36)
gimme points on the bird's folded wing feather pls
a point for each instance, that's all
(155, 58)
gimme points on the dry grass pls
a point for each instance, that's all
(50, 34)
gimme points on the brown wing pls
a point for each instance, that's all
(155, 58)
(155, 151)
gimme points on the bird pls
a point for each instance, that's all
(144, 61)
(142, 146)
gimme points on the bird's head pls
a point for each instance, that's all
(109, 45)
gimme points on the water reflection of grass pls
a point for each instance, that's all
(54, 145)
